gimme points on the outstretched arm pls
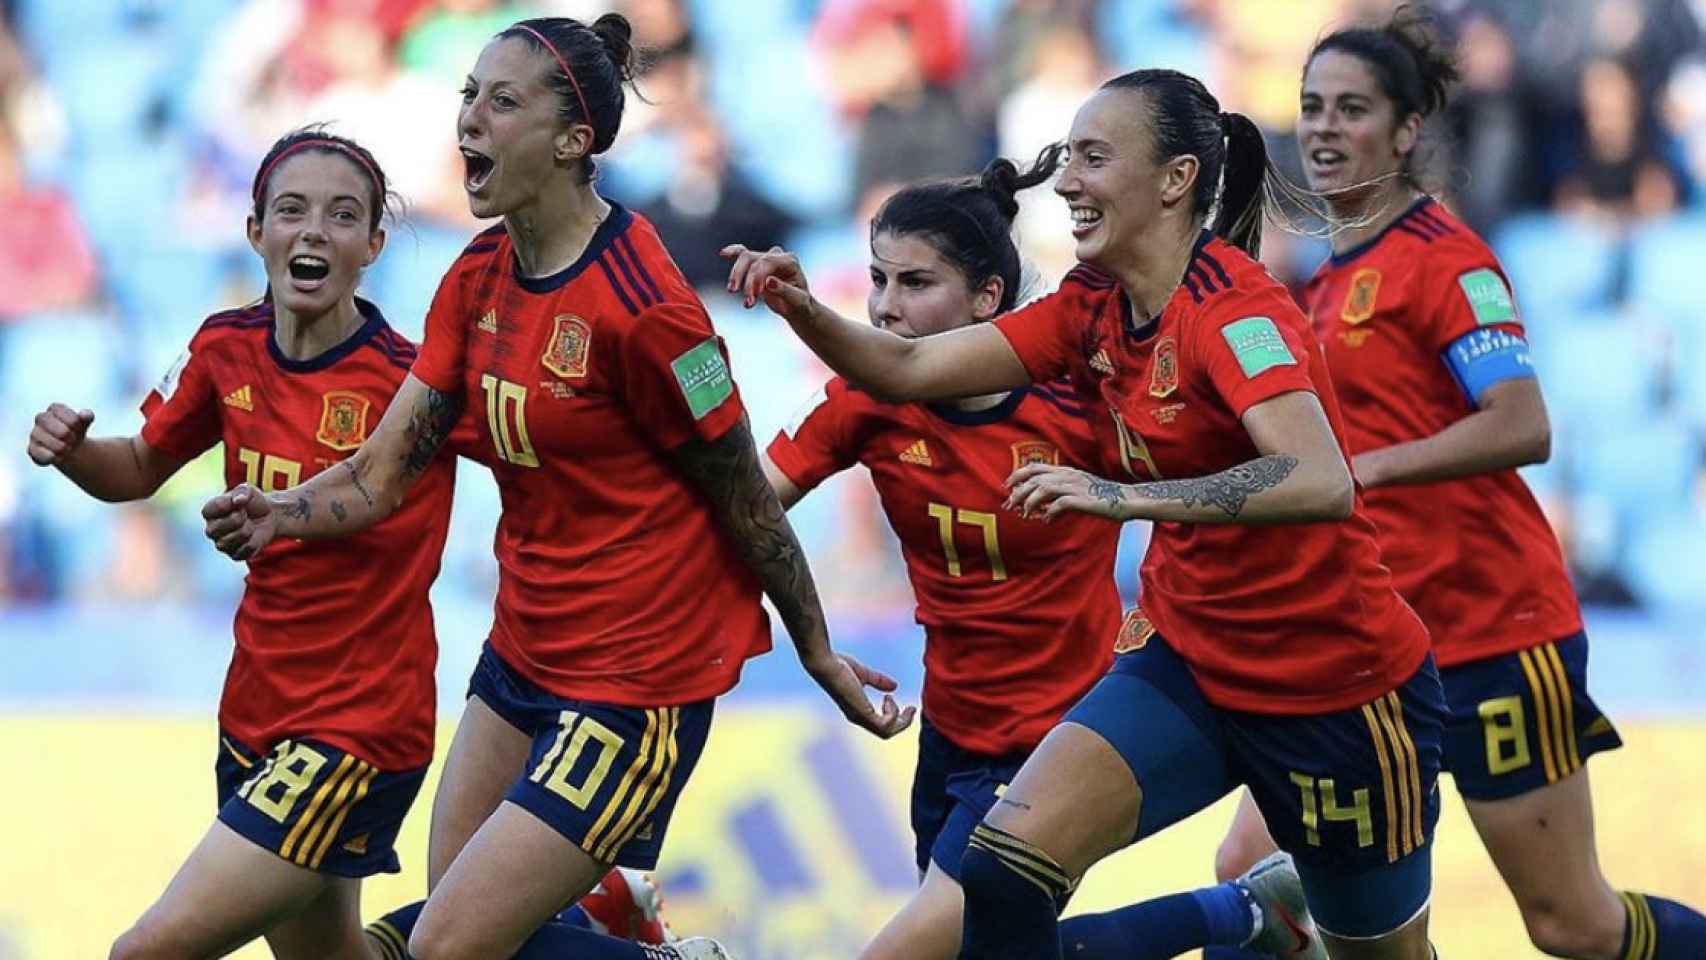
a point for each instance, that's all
(967, 362)
(349, 497)
(727, 472)
(1300, 477)
(114, 469)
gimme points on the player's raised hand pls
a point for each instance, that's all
(1044, 490)
(845, 680)
(240, 521)
(58, 431)
(775, 275)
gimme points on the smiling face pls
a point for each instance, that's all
(1347, 128)
(315, 234)
(511, 132)
(1114, 184)
(916, 292)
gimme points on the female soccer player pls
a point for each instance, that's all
(1274, 649)
(1019, 615)
(1441, 403)
(326, 721)
(638, 530)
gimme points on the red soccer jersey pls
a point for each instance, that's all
(1018, 615)
(1278, 619)
(334, 637)
(615, 581)
(1474, 556)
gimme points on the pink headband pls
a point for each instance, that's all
(586, 113)
(323, 143)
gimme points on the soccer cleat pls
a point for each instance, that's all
(700, 948)
(629, 905)
(1287, 931)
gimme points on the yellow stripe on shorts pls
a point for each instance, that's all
(1569, 701)
(363, 779)
(309, 815)
(1542, 715)
(1388, 788)
(590, 842)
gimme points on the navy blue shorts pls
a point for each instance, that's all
(315, 805)
(1522, 720)
(952, 790)
(1352, 794)
(607, 777)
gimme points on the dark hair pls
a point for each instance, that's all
(593, 63)
(1186, 119)
(1414, 69)
(969, 220)
(315, 138)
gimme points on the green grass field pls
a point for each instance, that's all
(99, 812)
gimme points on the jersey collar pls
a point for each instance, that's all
(372, 322)
(602, 238)
(1340, 259)
(978, 418)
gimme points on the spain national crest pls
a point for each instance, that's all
(1359, 302)
(1035, 451)
(1135, 632)
(343, 419)
(1164, 370)
(565, 354)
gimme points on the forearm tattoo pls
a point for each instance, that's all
(726, 471)
(1107, 491)
(299, 509)
(429, 427)
(338, 510)
(355, 478)
(1229, 489)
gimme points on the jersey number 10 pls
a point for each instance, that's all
(506, 402)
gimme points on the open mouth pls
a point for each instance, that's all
(309, 269)
(1085, 220)
(477, 169)
(1326, 160)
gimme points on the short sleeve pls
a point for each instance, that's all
(182, 413)
(818, 442)
(1047, 335)
(1462, 291)
(675, 377)
(1480, 359)
(1251, 356)
(439, 363)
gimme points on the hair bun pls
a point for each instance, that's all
(617, 35)
(1000, 179)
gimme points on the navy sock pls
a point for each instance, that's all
(1162, 928)
(553, 941)
(1660, 929)
(1014, 894)
(391, 932)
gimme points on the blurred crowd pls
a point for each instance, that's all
(130, 130)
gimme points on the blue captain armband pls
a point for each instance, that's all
(1481, 358)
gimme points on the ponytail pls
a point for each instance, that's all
(1239, 211)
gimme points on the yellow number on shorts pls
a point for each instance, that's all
(945, 516)
(1134, 450)
(1321, 802)
(290, 770)
(1503, 718)
(268, 472)
(568, 749)
(502, 397)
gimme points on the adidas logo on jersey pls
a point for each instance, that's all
(1101, 363)
(489, 322)
(357, 845)
(918, 453)
(241, 399)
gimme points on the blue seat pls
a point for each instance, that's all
(1556, 262)
(1641, 467)
(1665, 267)
(1666, 563)
(1590, 373)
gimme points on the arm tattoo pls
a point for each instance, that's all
(1014, 803)
(299, 509)
(429, 427)
(1228, 489)
(726, 471)
(339, 511)
(355, 478)
(1107, 491)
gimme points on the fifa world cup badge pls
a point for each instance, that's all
(1164, 370)
(1035, 451)
(565, 353)
(343, 420)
